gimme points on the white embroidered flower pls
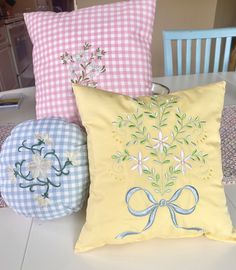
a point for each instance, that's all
(160, 141)
(73, 158)
(11, 174)
(139, 165)
(94, 68)
(42, 201)
(44, 137)
(182, 162)
(74, 66)
(82, 57)
(39, 166)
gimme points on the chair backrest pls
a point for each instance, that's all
(206, 42)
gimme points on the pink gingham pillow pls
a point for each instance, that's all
(106, 46)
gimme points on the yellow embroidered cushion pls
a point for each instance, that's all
(155, 166)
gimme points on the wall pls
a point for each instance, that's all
(179, 14)
(24, 5)
(29, 5)
(225, 13)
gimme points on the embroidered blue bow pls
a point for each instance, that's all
(152, 210)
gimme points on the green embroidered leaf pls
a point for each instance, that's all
(153, 153)
(185, 140)
(165, 149)
(151, 116)
(170, 184)
(176, 128)
(166, 161)
(177, 171)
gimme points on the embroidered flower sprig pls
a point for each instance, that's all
(85, 66)
(163, 146)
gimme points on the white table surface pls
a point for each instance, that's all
(29, 244)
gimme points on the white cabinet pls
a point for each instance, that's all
(8, 77)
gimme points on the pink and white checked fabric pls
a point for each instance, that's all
(123, 30)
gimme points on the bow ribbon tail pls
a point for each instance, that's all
(174, 220)
(147, 226)
(173, 208)
(151, 210)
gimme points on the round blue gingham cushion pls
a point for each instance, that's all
(44, 168)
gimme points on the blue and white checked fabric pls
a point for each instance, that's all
(44, 168)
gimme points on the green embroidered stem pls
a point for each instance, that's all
(134, 122)
(162, 110)
(170, 178)
(33, 148)
(153, 177)
(119, 156)
(182, 126)
(42, 184)
(30, 186)
(61, 169)
(20, 173)
(198, 156)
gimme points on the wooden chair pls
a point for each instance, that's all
(197, 51)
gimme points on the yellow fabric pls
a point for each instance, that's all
(155, 166)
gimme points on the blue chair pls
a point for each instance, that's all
(205, 44)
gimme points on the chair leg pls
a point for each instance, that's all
(232, 62)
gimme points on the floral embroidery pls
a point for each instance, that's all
(72, 157)
(140, 163)
(42, 201)
(162, 150)
(182, 162)
(39, 166)
(11, 174)
(36, 174)
(162, 147)
(160, 141)
(44, 138)
(85, 66)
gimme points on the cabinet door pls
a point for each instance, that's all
(8, 77)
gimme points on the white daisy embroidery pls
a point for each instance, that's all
(42, 201)
(11, 174)
(73, 158)
(140, 163)
(39, 166)
(182, 162)
(160, 141)
(44, 137)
